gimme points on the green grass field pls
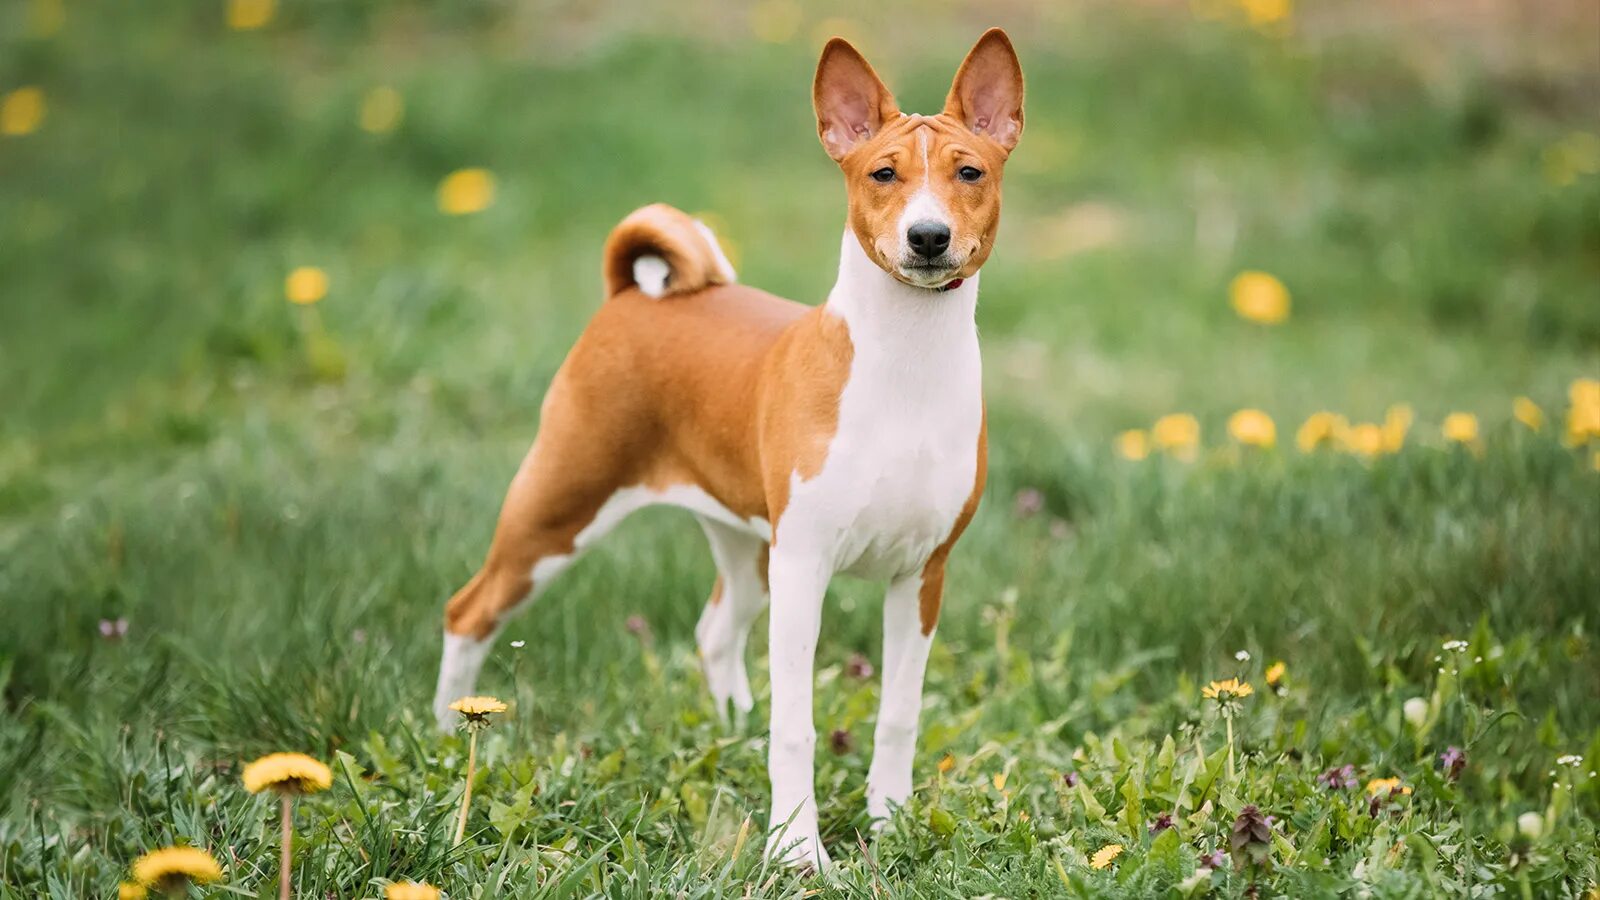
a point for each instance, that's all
(278, 498)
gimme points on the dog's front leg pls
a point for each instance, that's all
(798, 583)
(905, 659)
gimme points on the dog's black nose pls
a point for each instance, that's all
(928, 239)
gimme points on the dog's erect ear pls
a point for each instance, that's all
(987, 92)
(852, 104)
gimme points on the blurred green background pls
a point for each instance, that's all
(277, 497)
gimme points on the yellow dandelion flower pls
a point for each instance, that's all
(381, 110)
(1583, 417)
(775, 21)
(1322, 428)
(173, 866)
(305, 285)
(1460, 427)
(293, 773)
(1253, 428)
(411, 890)
(466, 191)
(1103, 857)
(1133, 444)
(1528, 413)
(478, 708)
(1275, 672)
(1178, 434)
(1385, 786)
(946, 764)
(21, 111)
(999, 781)
(1364, 439)
(1396, 423)
(1259, 297)
(1231, 689)
(1265, 12)
(130, 891)
(248, 15)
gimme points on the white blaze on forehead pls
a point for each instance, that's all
(923, 206)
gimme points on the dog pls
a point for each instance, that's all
(808, 441)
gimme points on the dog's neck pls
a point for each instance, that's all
(885, 313)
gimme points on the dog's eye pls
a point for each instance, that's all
(969, 174)
(883, 175)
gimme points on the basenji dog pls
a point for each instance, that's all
(808, 441)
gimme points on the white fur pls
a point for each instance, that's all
(650, 273)
(723, 265)
(900, 468)
(458, 671)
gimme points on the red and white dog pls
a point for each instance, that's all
(808, 441)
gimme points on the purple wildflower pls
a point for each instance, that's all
(1029, 503)
(1453, 760)
(1070, 778)
(1338, 778)
(858, 667)
(840, 741)
(112, 629)
(1161, 823)
(1216, 859)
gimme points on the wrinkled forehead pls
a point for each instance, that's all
(911, 135)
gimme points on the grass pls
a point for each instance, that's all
(278, 499)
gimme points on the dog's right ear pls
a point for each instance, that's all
(852, 104)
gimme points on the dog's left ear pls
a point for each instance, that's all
(987, 92)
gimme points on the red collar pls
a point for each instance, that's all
(952, 285)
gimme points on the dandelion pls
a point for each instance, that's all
(305, 285)
(1259, 297)
(1322, 428)
(248, 15)
(411, 890)
(1263, 13)
(475, 713)
(946, 764)
(1583, 415)
(1530, 825)
(1415, 711)
(21, 111)
(466, 191)
(1528, 413)
(381, 110)
(1253, 428)
(1104, 856)
(1365, 439)
(999, 781)
(1227, 694)
(131, 891)
(1460, 428)
(171, 869)
(1178, 434)
(1377, 787)
(1396, 423)
(1133, 444)
(1275, 673)
(289, 775)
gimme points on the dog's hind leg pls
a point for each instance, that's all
(738, 597)
(550, 516)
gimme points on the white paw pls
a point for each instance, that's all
(796, 850)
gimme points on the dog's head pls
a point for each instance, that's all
(924, 190)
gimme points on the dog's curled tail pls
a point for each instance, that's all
(663, 251)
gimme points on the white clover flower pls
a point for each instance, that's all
(1455, 646)
(518, 645)
(1242, 656)
(1571, 759)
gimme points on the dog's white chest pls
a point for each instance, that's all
(903, 460)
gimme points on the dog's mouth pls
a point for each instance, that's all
(928, 273)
